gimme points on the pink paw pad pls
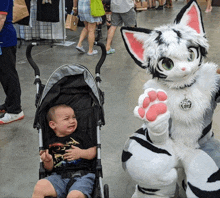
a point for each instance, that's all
(152, 97)
(141, 112)
(155, 110)
(161, 96)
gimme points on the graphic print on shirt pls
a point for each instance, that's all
(58, 149)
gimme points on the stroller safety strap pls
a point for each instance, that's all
(72, 176)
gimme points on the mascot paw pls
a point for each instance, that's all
(152, 104)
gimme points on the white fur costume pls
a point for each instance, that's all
(176, 107)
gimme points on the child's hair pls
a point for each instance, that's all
(51, 112)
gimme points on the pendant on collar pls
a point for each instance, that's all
(185, 104)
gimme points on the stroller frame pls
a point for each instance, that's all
(100, 191)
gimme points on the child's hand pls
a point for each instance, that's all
(45, 156)
(73, 154)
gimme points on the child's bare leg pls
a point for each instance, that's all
(43, 188)
(75, 194)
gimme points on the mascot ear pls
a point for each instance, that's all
(134, 43)
(191, 16)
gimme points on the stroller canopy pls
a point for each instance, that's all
(71, 70)
(75, 86)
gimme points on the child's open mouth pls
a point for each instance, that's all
(72, 127)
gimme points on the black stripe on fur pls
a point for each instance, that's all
(145, 133)
(149, 146)
(157, 74)
(204, 194)
(179, 35)
(141, 131)
(150, 191)
(214, 177)
(159, 39)
(148, 137)
(125, 156)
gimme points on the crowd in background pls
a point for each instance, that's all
(117, 13)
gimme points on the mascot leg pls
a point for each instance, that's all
(202, 175)
(151, 166)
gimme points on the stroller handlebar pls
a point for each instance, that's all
(102, 59)
(30, 59)
(37, 70)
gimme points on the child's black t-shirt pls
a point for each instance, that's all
(58, 145)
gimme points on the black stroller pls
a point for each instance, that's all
(75, 86)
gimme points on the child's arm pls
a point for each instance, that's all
(77, 153)
(47, 159)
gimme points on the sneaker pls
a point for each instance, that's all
(111, 51)
(93, 53)
(2, 108)
(80, 49)
(9, 117)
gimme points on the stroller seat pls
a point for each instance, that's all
(74, 86)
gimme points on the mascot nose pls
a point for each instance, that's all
(183, 69)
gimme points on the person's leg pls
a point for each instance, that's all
(153, 3)
(91, 36)
(108, 20)
(208, 6)
(43, 188)
(83, 34)
(75, 194)
(150, 4)
(10, 80)
(116, 21)
(111, 33)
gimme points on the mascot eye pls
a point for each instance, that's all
(166, 63)
(192, 54)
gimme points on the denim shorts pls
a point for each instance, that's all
(128, 18)
(83, 184)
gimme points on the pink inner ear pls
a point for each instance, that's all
(135, 45)
(194, 19)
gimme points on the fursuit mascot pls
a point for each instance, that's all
(176, 145)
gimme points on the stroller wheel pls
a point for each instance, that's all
(106, 191)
